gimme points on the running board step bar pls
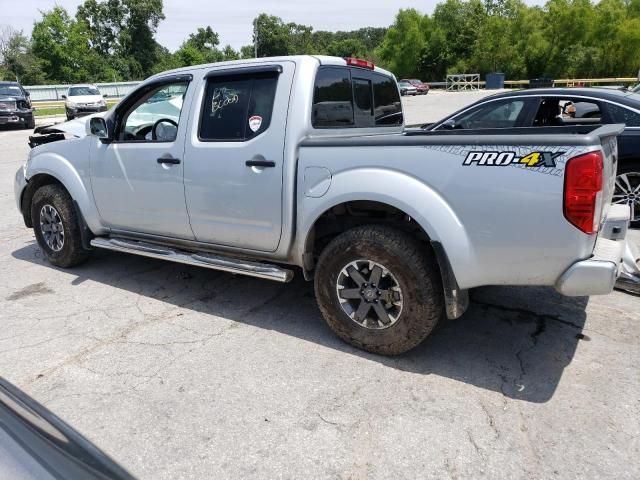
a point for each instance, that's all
(206, 260)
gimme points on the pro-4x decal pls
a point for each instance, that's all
(502, 159)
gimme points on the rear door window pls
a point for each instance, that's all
(237, 108)
(624, 115)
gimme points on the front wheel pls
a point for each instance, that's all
(627, 189)
(56, 226)
(379, 289)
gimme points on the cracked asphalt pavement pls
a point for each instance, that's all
(180, 372)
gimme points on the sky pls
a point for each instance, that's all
(232, 19)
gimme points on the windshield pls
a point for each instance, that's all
(10, 90)
(77, 91)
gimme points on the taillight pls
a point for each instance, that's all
(357, 62)
(583, 191)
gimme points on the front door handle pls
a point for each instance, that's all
(260, 163)
(169, 160)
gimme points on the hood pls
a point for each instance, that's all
(76, 127)
(85, 98)
(11, 97)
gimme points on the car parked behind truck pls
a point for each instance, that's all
(561, 107)
(15, 106)
(83, 100)
(276, 163)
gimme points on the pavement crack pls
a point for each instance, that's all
(540, 318)
(490, 420)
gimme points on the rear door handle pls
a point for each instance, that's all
(260, 163)
(169, 160)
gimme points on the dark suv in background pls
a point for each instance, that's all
(15, 105)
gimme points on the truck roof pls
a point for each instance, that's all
(321, 59)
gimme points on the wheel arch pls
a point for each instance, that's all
(333, 218)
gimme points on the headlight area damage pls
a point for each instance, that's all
(59, 131)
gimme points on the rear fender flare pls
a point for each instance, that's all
(408, 194)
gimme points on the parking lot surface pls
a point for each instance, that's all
(180, 372)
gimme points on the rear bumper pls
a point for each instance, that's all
(597, 275)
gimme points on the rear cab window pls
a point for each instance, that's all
(345, 97)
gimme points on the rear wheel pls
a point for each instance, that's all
(56, 226)
(627, 189)
(379, 289)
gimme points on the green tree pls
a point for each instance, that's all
(17, 61)
(404, 42)
(122, 32)
(349, 47)
(272, 36)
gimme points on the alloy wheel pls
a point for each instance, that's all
(369, 294)
(52, 228)
(627, 192)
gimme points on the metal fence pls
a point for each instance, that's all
(54, 92)
(463, 81)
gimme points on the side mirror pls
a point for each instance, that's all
(98, 128)
(64, 97)
(449, 124)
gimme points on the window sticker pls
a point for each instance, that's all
(221, 98)
(255, 123)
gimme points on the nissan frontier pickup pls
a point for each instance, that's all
(268, 166)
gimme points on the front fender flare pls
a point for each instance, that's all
(58, 167)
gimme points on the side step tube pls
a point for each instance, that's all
(214, 262)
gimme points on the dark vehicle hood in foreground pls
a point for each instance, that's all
(36, 444)
(12, 97)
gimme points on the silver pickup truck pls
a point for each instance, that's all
(257, 166)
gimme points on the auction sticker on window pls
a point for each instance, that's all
(255, 123)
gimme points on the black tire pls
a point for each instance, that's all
(71, 252)
(410, 262)
(631, 167)
(31, 124)
(69, 117)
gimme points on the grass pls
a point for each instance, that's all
(59, 110)
(39, 112)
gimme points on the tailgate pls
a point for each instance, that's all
(608, 139)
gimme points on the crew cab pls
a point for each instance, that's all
(262, 166)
